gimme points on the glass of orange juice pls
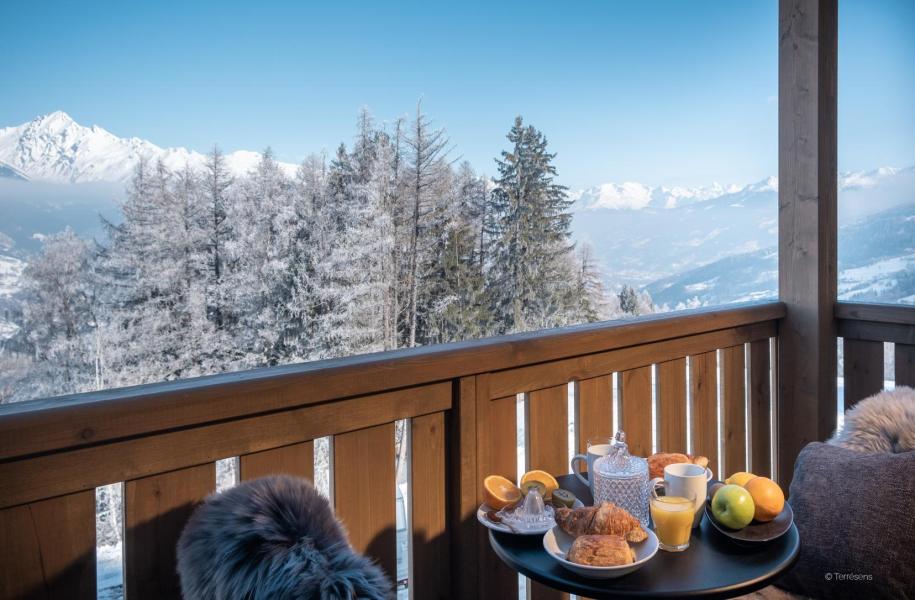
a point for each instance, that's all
(672, 517)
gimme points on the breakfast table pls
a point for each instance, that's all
(713, 566)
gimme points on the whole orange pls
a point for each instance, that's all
(767, 496)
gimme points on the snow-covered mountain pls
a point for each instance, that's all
(55, 148)
(632, 195)
(643, 234)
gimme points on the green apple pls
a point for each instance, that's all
(733, 506)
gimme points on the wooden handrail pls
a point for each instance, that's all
(897, 314)
(81, 420)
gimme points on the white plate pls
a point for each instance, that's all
(557, 544)
(485, 508)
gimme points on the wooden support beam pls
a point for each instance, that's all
(807, 51)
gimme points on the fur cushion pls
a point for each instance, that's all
(277, 538)
(885, 422)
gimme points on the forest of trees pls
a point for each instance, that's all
(389, 243)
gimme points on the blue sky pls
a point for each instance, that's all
(658, 92)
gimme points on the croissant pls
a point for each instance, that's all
(657, 462)
(606, 519)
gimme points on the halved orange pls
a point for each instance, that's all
(499, 492)
(548, 481)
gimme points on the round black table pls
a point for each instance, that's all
(712, 567)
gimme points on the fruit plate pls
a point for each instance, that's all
(485, 508)
(557, 544)
(756, 532)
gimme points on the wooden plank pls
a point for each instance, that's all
(294, 459)
(156, 508)
(635, 409)
(540, 376)
(594, 406)
(496, 455)
(48, 548)
(760, 409)
(45, 425)
(364, 492)
(547, 443)
(905, 365)
(463, 487)
(547, 447)
(863, 369)
(55, 474)
(877, 332)
(430, 574)
(733, 411)
(882, 313)
(807, 225)
(672, 405)
(703, 387)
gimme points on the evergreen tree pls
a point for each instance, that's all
(215, 184)
(629, 300)
(426, 168)
(531, 236)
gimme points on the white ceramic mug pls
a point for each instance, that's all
(685, 479)
(597, 448)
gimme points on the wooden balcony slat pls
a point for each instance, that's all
(760, 408)
(733, 410)
(48, 549)
(364, 492)
(547, 442)
(54, 474)
(464, 484)
(431, 575)
(38, 426)
(594, 406)
(905, 365)
(671, 382)
(704, 406)
(156, 509)
(635, 409)
(294, 459)
(863, 369)
(539, 376)
(547, 446)
(497, 455)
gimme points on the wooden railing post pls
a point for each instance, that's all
(807, 50)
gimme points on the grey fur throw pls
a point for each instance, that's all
(276, 538)
(885, 422)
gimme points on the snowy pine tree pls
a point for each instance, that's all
(531, 237)
(426, 168)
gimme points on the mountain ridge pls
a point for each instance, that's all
(55, 148)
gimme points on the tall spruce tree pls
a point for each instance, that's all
(531, 236)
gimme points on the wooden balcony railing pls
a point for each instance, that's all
(674, 375)
(864, 328)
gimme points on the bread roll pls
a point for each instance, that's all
(601, 551)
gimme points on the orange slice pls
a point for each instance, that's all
(499, 492)
(548, 481)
